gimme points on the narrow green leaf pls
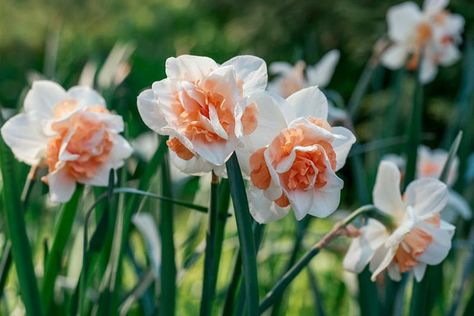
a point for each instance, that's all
(168, 264)
(214, 239)
(451, 157)
(360, 89)
(61, 237)
(414, 129)
(246, 238)
(300, 231)
(16, 229)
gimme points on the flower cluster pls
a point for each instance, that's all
(286, 148)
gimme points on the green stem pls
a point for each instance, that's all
(300, 232)
(414, 131)
(214, 239)
(16, 229)
(168, 264)
(289, 276)
(6, 260)
(54, 260)
(246, 238)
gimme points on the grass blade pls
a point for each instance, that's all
(246, 238)
(214, 239)
(168, 264)
(53, 262)
(16, 228)
(414, 129)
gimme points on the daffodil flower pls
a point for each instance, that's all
(206, 109)
(430, 163)
(295, 165)
(290, 79)
(430, 35)
(71, 132)
(418, 236)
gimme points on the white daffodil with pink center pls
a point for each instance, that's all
(417, 236)
(207, 110)
(432, 32)
(295, 165)
(292, 78)
(71, 132)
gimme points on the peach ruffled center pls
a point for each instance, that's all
(197, 108)
(87, 139)
(423, 34)
(413, 245)
(309, 168)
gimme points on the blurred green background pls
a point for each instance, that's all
(56, 39)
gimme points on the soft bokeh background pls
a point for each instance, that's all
(56, 39)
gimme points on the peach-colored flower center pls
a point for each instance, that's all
(423, 34)
(175, 145)
(413, 245)
(195, 110)
(429, 169)
(308, 170)
(90, 141)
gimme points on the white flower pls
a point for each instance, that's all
(418, 236)
(433, 32)
(295, 164)
(430, 163)
(70, 131)
(207, 109)
(291, 79)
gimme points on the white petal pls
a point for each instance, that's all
(419, 271)
(270, 121)
(251, 71)
(148, 228)
(321, 73)
(342, 145)
(402, 20)
(393, 271)
(61, 186)
(194, 166)
(189, 68)
(43, 97)
(326, 199)
(86, 96)
(386, 194)
(280, 68)
(262, 209)
(428, 70)
(150, 110)
(459, 205)
(381, 259)
(450, 55)
(441, 244)
(395, 56)
(121, 150)
(309, 102)
(433, 6)
(25, 138)
(362, 248)
(427, 196)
